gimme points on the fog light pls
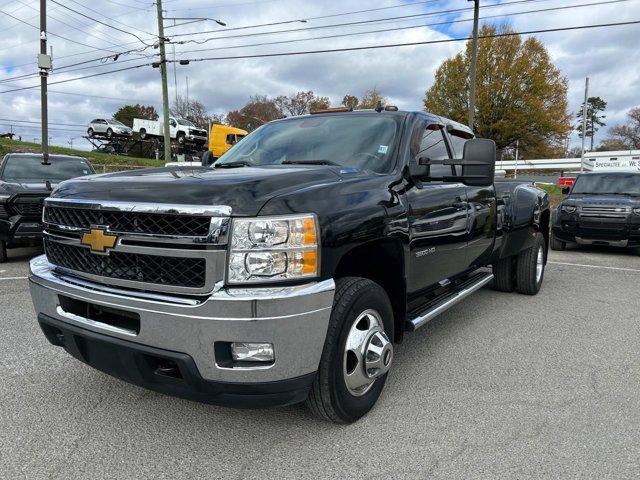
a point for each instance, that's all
(252, 352)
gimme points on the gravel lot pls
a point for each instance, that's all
(500, 386)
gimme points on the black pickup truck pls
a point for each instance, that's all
(24, 184)
(289, 269)
(602, 208)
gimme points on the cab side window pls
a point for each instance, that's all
(434, 146)
(457, 143)
(231, 139)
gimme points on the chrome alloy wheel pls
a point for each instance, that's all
(539, 264)
(368, 353)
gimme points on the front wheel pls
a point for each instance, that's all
(143, 133)
(530, 267)
(357, 354)
(3, 251)
(90, 133)
(109, 133)
(181, 138)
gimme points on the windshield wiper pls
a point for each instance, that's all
(239, 163)
(310, 162)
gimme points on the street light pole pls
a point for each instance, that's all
(165, 89)
(474, 61)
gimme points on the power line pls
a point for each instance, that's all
(55, 34)
(26, 127)
(306, 19)
(73, 27)
(422, 25)
(79, 78)
(113, 19)
(38, 123)
(68, 69)
(346, 49)
(355, 22)
(98, 21)
(427, 42)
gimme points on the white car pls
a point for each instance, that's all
(180, 130)
(101, 127)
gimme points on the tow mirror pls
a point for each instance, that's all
(566, 190)
(419, 169)
(478, 162)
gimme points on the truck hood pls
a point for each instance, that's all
(244, 189)
(13, 188)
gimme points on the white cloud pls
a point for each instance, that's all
(607, 55)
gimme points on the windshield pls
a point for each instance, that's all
(612, 184)
(181, 121)
(364, 142)
(116, 122)
(29, 169)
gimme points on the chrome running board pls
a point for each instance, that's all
(472, 285)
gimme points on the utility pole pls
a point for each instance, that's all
(584, 122)
(165, 89)
(474, 62)
(44, 64)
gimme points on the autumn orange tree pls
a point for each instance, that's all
(520, 95)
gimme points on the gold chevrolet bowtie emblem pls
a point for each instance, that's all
(99, 240)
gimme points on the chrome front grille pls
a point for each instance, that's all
(164, 248)
(153, 269)
(119, 222)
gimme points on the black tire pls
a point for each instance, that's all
(143, 134)
(329, 398)
(504, 275)
(527, 282)
(3, 251)
(181, 139)
(90, 133)
(556, 244)
(109, 133)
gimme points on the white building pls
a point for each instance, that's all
(622, 160)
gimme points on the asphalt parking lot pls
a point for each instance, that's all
(500, 386)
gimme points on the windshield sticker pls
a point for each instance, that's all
(383, 149)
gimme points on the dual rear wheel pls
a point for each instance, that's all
(523, 272)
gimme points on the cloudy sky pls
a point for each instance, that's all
(609, 56)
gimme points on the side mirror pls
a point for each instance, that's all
(478, 162)
(566, 190)
(420, 169)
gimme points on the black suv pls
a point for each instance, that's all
(602, 208)
(24, 184)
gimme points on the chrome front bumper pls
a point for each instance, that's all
(294, 319)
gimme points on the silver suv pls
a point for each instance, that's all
(110, 128)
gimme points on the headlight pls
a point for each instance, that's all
(636, 211)
(568, 208)
(268, 249)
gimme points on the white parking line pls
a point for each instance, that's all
(13, 278)
(596, 266)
